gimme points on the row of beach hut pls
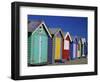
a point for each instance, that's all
(51, 45)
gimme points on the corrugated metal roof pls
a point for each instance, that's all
(32, 25)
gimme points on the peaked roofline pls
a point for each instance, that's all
(59, 30)
(68, 34)
(79, 40)
(83, 40)
(45, 28)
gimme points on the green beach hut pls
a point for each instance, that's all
(37, 43)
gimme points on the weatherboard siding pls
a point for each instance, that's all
(38, 50)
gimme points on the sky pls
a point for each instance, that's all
(76, 26)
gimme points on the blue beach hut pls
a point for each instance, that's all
(73, 48)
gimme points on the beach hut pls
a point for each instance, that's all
(57, 36)
(73, 48)
(66, 50)
(84, 47)
(79, 48)
(37, 43)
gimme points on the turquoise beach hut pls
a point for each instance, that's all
(37, 43)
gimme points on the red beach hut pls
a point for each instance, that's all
(66, 49)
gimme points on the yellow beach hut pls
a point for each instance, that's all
(58, 39)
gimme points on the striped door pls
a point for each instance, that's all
(57, 48)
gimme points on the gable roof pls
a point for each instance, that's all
(75, 39)
(67, 34)
(54, 31)
(34, 25)
(83, 40)
(79, 40)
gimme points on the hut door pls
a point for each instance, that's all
(40, 49)
(66, 44)
(44, 44)
(57, 48)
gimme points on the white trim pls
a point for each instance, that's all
(68, 34)
(42, 27)
(83, 52)
(46, 29)
(59, 31)
(83, 40)
(39, 49)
